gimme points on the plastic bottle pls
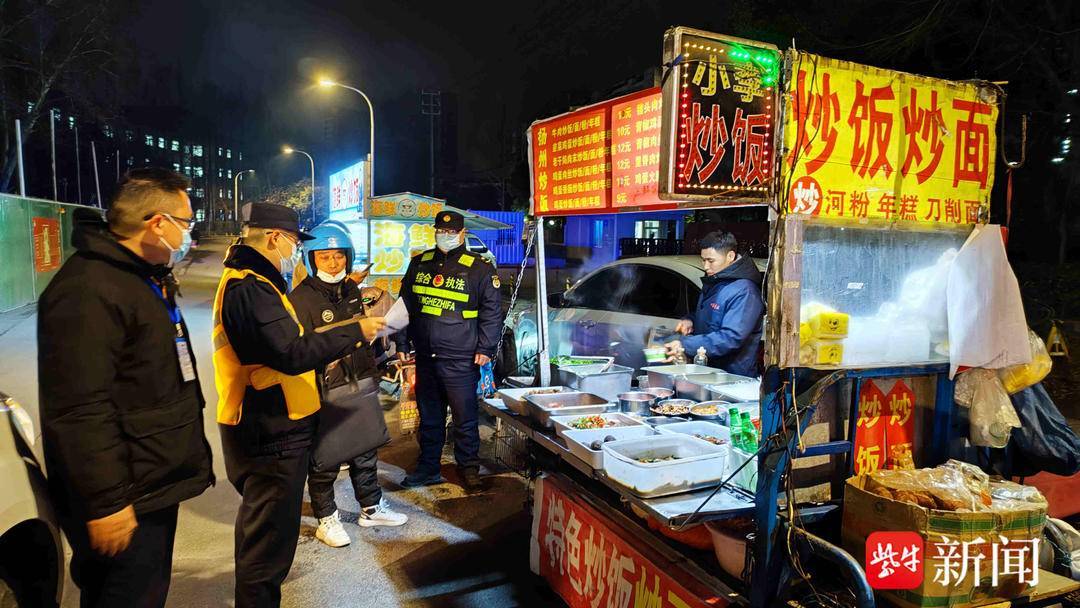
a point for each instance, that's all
(750, 436)
(701, 358)
(735, 427)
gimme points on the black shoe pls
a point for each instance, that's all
(471, 481)
(418, 479)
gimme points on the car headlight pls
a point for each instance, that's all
(21, 418)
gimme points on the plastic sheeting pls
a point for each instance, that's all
(987, 327)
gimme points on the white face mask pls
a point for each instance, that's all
(447, 242)
(331, 278)
(288, 264)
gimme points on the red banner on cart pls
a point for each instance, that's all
(870, 430)
(589, 564)
(900, 426)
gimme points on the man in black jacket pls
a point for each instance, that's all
(264, 364)
(454, 324)
(121, 408)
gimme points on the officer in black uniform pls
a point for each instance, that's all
(454, 322)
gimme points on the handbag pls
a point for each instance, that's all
(351, 423)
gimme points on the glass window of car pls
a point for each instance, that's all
(604, 290)
(656, 292)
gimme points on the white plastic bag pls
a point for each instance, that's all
(992, 416)
(923, 295)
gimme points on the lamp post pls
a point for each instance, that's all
(236, 194)
(290, 150)
(326, 82)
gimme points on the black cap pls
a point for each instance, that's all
(450, 220)
(272, 215)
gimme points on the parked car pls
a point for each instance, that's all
(31, 550)
(474, 245)
(611, 311)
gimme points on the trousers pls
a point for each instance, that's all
(137, 577)
(268, 521)
(439, 383)
(364, 473)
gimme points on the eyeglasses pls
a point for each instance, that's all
(188, 221)
(446, 231)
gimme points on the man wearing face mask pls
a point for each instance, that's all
(454, 322)
(727, 321)
(264, 362)
(121, 407)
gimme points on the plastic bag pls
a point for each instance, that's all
(940, 488)
(923, 294)
(975, 479)
(992, 415)
(1018, 377)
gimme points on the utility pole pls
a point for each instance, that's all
(18, 152)
(97, 181)
(52, 150)
(431, 106)
(78, 167)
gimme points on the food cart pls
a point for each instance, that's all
(861, 222)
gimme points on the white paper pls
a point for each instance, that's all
(987, 327)
(397, 318)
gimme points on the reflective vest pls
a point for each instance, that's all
(232, 377)
(445, 292)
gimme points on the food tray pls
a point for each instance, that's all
(572, 403)
(514, 398)
(562, 423)
(655, 421)
(664, 375)
(704, 387)
(578, 441)
(700, 464)
(588, 379)
(698, 427)
(739, 391)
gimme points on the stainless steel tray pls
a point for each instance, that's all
(664, 375)
(514, 398)
(589, 379)
(699, 386)
(571, 404)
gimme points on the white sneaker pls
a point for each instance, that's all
(331, 531)
(380, 515)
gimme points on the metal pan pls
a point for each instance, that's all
(569, 404)
(637, 402)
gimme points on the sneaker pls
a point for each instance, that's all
(380, 515)
(331, 531)
(417, 479)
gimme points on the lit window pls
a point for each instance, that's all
(228, 153)
(108, 131)
(161, 142)
(176, 167)
(187, 150)
(198, 171)
(29, 107)
(219, 151)
(196, 150)
(220, 172)
(240, 155)
(150, 140)
(187, 170)
(71, 122)
(128, 135)
(175, 147)
(200, 215)
(199, 192)
(230, 173)
(146, 161)
(228, 193)
(131, 161)
(220, 193)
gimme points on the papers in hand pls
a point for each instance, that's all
(397, 318)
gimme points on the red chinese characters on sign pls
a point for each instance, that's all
(888, 145)
(571, 163)
(48, 253)
(885, 428)
(590, 565)
(635, 151)
(900, 424)
(870, 430)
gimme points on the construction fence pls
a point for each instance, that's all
(35, 239)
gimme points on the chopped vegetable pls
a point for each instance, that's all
(711, 439)
(592, 422)
(657, 459)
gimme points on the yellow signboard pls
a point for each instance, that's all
(866, 143)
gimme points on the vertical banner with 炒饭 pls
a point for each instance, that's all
(719, 116)
(866, 143)
(870, 429)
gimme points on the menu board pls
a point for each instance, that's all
(635, 151)
(572, 167)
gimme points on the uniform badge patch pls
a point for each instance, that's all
(495, 281)
(327, 316)
(437, 281)
(446, 218)
(714, 305)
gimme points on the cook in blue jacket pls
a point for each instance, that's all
(727, 321)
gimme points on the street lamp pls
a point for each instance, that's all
(236, 193)
(290, 150)
(326, 83)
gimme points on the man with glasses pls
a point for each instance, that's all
(121, 407)
(454, 322)
(264, 366)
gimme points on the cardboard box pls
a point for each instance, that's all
(865, 513)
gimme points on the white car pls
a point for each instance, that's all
(473, 244)
(31, 549)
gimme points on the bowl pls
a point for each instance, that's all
(637, 402)
(655, 354)
(673, 407)
(709, 410)
(660, 392)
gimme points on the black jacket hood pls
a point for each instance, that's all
(742, 268)
(92, 238)
(243, 257)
